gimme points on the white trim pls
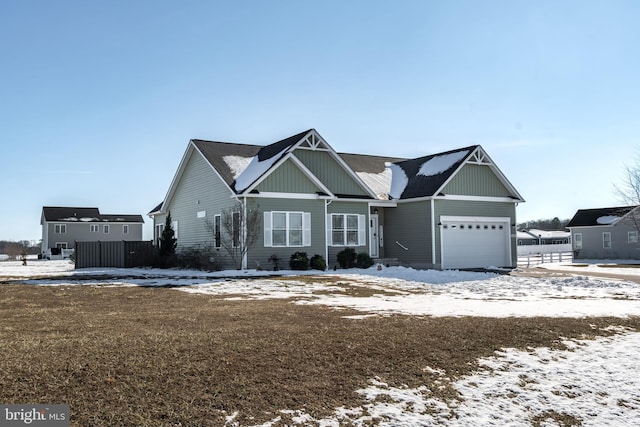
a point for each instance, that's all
(475, 198)
(476, 218)
(298, 196)
(433, 234)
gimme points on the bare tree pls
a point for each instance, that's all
(239, 230)
(629, 192)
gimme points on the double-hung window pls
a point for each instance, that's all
(577, 241)
(606, 240)
(632, 237)
(94, 228)
(125, 229)
(60, 228)
(287, 229)
(105, 229)
(347, 230)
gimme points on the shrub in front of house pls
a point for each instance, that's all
(299, 261)
(364, 260)
(197, 258)
(346, 258)
(317, 262)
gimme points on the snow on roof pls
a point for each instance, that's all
(607, 219)
(379, 183)
(439, 164)
(237, 164)
(399, 180)
(255, 169)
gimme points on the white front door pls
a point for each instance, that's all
(373, 236)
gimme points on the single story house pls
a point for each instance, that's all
(63, 226)
(606, 233)
(534, 236)
(454, 209)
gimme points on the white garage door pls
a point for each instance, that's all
(475, 242)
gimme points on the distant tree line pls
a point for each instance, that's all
(545, 224)
(15, 249)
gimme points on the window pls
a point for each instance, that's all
(94, 228)
(287, 229)
(60, 228)
(158, 233)
(105, 229)
(577, 241)
(125, 229)
(632, 237)
(606, 240)
(217, 231)
(347, 230)
(174, 225)
(235, 230)
(61, 245)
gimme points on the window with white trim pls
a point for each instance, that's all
(287, 229)
(60, 228)
(577, 241)
(174, 225)
(61, 245)
(632, 237)
(158, 234)
(94, 228)
(125, 229)
(606, 240)
(105, 229)
(347, 230)
(217, 231)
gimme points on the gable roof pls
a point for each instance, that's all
(83, 214)
(599, 216)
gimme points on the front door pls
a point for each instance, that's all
(374, 242)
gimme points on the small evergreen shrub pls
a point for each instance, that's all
(364, 260)
(346, 258)
(299, 261)
(317, 262)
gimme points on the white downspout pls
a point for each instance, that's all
(326, 233)
(244, 234)
(433, 233)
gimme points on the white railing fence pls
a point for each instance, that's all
(531, 260)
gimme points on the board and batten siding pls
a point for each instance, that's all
(474, 209)
(409, 226)
(476, 180)
(259, 254)
(199, 190)
(330, 172)
(288, 178)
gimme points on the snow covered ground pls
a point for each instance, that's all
(595, 381)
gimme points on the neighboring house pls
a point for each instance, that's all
(533, 236)
(63, 226)
(605, 233)
(449, 210)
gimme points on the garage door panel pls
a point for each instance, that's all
(475, 244)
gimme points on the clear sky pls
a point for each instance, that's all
(98, 99)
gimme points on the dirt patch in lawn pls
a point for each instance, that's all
(160, 357)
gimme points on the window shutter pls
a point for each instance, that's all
(267, 230)
(306, 229)
(174, 225)
(329, 221)
(362, 230)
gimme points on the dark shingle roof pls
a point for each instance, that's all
(419, 185)
(589, 217)
(367, 163)
(76, 214)
(215, 152)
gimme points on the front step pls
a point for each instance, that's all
(387, 262)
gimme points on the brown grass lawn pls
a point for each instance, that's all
(129, 356)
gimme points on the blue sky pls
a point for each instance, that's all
(98, 100)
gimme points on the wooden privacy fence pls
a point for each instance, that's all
(120, 253)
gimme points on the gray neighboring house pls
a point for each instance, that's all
(605, 233)
(449, 210)
(63, 226)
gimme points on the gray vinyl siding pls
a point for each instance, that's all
(330, 172)
(199, 189)
(409, 225)
(259, 254)
(476, 180)
(358, 208)
(474, 208)
(81, 232)
(288, 178)
(592, 245)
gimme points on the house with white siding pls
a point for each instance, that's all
(447, 210)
